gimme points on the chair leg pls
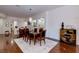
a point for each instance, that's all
(23, 37)
(40, 42)
(34, 41)
(44, 41)
(27, 39)
(30, 41)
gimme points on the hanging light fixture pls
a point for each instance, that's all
(30, 18)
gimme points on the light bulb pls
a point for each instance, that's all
(30, 19)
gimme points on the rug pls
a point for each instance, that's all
(44, 48)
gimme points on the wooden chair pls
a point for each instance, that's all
(31, 37)
(21, 33)
(27, 34)
(40, 29)
(42, 36)
(26, 30)
(35, 29)
(7, 33)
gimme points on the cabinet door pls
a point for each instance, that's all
(68, 36)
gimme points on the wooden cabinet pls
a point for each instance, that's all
(68, 36)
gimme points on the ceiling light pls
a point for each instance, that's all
(30, 18)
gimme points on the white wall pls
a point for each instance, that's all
(68, 14)
(3, 23)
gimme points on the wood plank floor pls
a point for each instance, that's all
(7, 45)
(65, 48)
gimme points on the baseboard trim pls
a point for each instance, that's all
(56, 40)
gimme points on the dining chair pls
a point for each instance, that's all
(27, 34)
(21, 32)
(33, 37)
(30, 37)
(40, 29)
(35, 29)
(26, 30)
(7, 33)
(42, 36)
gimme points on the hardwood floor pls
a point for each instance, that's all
(65, 48)
(7, 45)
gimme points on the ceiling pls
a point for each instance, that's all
(23, 10)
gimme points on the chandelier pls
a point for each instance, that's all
(30, 18)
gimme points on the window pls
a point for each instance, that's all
(38, 23)
(34, 24)
(41, 22)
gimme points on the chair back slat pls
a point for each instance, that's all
(41, 29)
(43, 33)
(35, 29)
